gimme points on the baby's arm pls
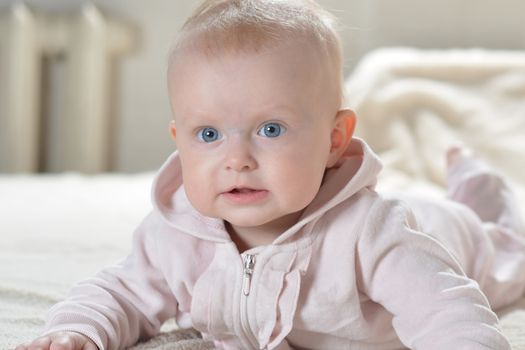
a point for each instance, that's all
(122, 303)
(60, 340)
(433, 304)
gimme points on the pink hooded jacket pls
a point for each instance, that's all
(354, 273)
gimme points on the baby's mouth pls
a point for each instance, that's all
(242, 190)
(245, 195)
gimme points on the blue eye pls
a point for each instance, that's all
(208, 134)
(271, 130)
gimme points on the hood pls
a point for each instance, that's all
(358, 169)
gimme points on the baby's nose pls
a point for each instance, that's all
(240, 157)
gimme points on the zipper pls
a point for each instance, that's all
(249, 264)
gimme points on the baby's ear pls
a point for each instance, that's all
(173, 129)
(342, 132)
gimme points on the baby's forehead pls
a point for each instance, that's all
(289, 66)
(287, 61)
(305, 51)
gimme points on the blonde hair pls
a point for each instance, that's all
(252, 25)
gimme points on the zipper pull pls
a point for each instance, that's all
(249, 263)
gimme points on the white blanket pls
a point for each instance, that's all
(412, 105)
(58, 229)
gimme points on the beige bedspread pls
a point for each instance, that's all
(58, 229)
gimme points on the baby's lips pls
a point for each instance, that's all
(242, 189)
(245, 195)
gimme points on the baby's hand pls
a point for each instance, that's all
(60, 341)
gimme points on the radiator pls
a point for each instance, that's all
(56, 89)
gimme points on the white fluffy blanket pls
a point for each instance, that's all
(58, 229)
(412, 105)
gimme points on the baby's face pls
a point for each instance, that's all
(253, 131)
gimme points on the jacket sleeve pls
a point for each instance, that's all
(413, 276)
(122, 303)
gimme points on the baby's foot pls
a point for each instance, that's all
(462, 164)
(472, 182)
(456, 154)
(467, 176)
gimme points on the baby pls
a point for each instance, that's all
(267, 232)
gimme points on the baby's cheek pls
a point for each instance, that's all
(199, 201)
(302, 187)
(194, 191)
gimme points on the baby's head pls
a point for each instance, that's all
(220, 27)
(256, 91)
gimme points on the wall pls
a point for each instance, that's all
(141, 108)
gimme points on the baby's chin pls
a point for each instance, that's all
(269, 223)
(246, 222)
(254, 218)
(245, 219)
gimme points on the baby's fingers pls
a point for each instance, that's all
(60, 341)
(65, 342)
(72, 341)
(41, 343)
